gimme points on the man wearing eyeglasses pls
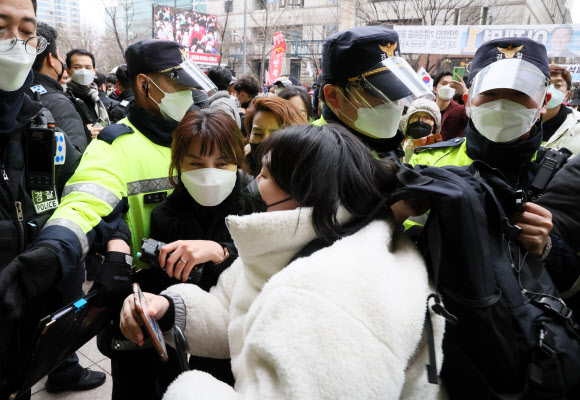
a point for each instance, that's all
(31, 181)
(561, 124)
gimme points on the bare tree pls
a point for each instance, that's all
(119, 19)
(267, 20)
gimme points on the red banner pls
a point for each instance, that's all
(276, 57)
(204, 58)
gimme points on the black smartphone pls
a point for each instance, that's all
(40, 152)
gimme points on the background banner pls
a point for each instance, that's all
(560, 40)
(276, 57)
(574, 71)
(196, 31)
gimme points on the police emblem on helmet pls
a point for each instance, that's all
(510, 51)
(389, 49)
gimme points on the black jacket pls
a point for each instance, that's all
(107, 101)
(62, 109)
(180, 217)
(16, 233)
(120, 110)
(16, 236)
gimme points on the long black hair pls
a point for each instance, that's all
(326, 167)
(290, 92)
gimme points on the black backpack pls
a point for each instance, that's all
(512, 336)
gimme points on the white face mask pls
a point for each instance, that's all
(83, 76)
(502, 121)
(174, 105)
(446, 92)
(209, 186)
(379, 122)
(15, 66)
(557, 97)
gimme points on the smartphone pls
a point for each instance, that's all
(150, 324)
(101, 122)
(458, 71)
(40, 152)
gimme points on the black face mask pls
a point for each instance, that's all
(59, 76)
(419, 129)
(253, 160)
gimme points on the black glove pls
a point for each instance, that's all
(114, 279)
(30, 274)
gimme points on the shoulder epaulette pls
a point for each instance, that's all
(440, 145)
(112, 132)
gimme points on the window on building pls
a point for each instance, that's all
(330, 29)
(295, 68)
(483, 18)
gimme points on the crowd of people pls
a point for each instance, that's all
(363, 238)
(197, 32)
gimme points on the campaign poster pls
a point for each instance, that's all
(560, 40)
(196, 31)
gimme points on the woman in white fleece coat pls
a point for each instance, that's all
(346, 322)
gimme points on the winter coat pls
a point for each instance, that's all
(121, 109)
(568, 134)
(180, 217)
(453, 121)
(222, 101)
(343, 323)
(62, 109)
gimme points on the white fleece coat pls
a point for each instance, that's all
(345, 323)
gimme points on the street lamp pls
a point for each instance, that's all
(244, 44)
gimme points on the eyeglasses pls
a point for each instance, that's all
(423, 118)
(34, 45)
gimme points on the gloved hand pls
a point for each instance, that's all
(114, 279)
(30, 274)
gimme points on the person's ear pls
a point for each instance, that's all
(50, 60)
(142, 84)
(545, 105)
(567, 95)
(331, 95)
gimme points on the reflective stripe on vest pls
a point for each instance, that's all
(77, 230)
(93, 189)
(148, 185)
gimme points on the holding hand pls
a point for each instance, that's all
(536, 224)
(187, 254)
(459, 86)
(95, 130)
(131, 321)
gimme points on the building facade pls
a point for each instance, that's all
(63, 14)
(305, 24)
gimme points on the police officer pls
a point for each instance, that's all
(366, 85)
(32, 179)
(126, 166)
(126, 95)
(48, 71)
(508, 92)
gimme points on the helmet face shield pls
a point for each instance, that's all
(394, 81)
(190, 75)
(515, 74)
